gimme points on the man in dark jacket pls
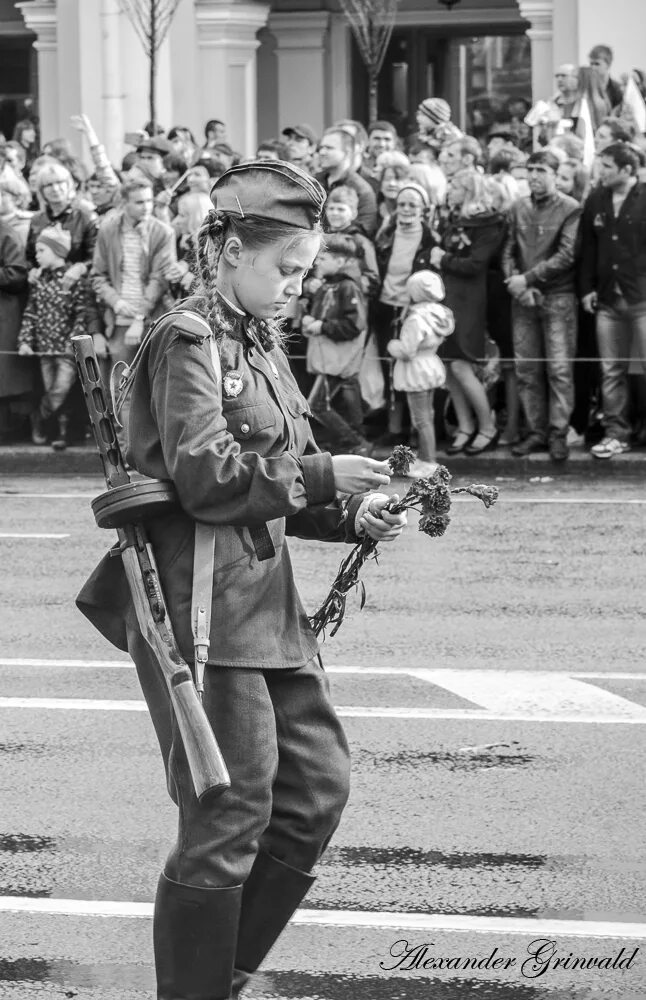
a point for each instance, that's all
(336, 155)
(613, 283)
(600, 59)
(538, 262)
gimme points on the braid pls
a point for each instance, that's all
(210, 243)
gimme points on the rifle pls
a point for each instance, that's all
(125, 506)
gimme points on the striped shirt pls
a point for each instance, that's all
(132, 288)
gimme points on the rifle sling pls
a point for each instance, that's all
(203, 563)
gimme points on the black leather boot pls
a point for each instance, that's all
(270, 896)
(194, 934)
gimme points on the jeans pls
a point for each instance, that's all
(336, 404)
(422, 418)
(288, 761)
(546, 332)
(59, 375)
(619, 327)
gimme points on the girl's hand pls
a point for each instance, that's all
(378, 523)
(359, 474)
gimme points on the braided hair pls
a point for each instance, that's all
(254, 232)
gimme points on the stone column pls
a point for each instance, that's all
(340, 69)
(540, 14)
(40, 17)
(301, 51)
(227, 43)
(113, 129)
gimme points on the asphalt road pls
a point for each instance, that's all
(494, 693)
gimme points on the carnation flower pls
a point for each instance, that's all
(431, 497)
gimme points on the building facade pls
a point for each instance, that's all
(260, 66)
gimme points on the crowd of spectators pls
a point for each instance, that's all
(471, 293)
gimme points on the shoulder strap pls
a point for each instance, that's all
(190, 326)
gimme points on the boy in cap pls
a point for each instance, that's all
(341, 210)
(301, 141)
(55, 313)
(241, 455)
(335, 327)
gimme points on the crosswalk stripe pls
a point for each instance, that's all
(504, 691)
(351, 711)
(342, 668)
(31, 535)
(351, 918)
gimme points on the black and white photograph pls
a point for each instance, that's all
(322, 500)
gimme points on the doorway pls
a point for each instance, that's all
(485, 78)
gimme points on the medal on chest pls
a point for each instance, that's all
(232, 384)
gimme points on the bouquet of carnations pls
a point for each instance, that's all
(431, 497)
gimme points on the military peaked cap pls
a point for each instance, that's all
(270, 189)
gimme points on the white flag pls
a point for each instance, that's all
(634, 101)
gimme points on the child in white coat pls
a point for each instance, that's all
(418, 371)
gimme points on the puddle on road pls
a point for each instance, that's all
(24, 843)
(402, 856)
(29, 749)
(72, 977)
(501, 755)
(297, 985)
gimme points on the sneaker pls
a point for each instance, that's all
(559, 451)
(420, 469)
(609, 447)
(529, 446)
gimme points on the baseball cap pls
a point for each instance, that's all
(157, 144)
(302, 132)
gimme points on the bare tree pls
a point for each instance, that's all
(151, 20)
(372, 23)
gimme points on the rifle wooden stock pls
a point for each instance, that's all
(208, 770)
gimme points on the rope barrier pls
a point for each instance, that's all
(303, 357)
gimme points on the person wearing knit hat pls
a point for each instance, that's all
(58, 240)
(214, 408)
(54, 314)
(433, 117)
(433, 112)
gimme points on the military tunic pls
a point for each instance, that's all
(241, 455)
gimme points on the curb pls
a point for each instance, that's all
(83, 460)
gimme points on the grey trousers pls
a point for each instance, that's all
(289, 764)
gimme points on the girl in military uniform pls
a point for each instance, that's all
(241, 455)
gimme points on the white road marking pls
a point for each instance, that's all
(40, 662)
(536, 694)
(353, 918)
(334, 668)
(347, 711)
(74, 704)
(8, 495)
(496, 695)
(15, 534)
